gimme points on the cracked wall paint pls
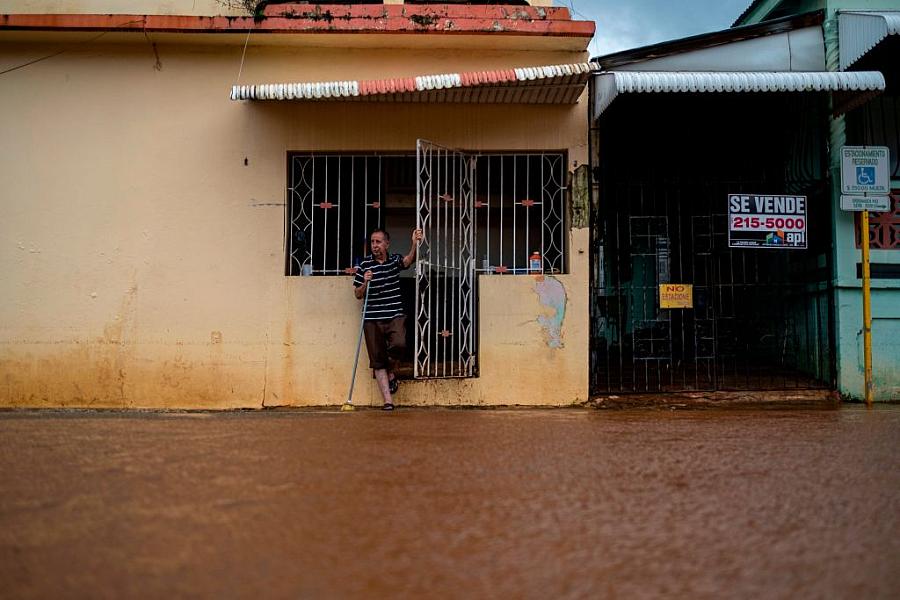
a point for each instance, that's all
(552, 294)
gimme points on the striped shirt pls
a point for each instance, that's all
(384, 289)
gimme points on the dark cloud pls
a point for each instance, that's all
(632, 23)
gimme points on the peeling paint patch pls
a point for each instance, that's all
(580, 185)
(552, 294)
(423, 20)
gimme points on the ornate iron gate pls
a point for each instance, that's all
(445, 327)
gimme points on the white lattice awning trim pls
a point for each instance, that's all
(547, 84)
(609, 85)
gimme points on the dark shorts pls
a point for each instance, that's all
(385, 341)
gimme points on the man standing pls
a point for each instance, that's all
(384, 324)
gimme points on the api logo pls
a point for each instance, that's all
(776, 238)
(865, 175)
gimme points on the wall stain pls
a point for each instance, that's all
(287, 354)
(579, 183)
(552, 294)
(114, 370)
(83, 374)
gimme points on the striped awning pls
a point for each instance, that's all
(861, 31)
(549, 84)
(857, 86)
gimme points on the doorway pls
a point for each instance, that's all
(758, 318)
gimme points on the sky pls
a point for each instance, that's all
(624, 24)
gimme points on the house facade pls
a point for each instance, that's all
(187, 186)
(717, 172)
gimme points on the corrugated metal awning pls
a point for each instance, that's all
(860, 31)
(549, 84)
(854, 87)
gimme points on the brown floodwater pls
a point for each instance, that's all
(451, 504)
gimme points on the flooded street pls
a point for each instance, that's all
(451, 503)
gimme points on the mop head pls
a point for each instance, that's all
(347, 407)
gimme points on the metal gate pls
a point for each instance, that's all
(445, 328)
(759, 320)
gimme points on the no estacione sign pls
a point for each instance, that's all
(676, 295)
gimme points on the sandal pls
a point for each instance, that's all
(387, 406)
(393, 385)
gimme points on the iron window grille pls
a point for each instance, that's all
(334, 200)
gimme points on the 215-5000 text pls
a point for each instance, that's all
(768, 223)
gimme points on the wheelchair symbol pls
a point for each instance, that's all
(865, 175)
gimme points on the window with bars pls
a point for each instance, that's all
(520, 211)
(335, 200)
(884, 227)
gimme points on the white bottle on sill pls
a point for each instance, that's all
(534, 263)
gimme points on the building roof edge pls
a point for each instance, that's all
(389, 22)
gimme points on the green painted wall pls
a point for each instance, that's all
(848, 289)
(834, 6)
(763, 10)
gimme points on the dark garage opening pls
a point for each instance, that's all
(761, 318)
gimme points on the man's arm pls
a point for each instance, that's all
(360, 290)
(416, 240)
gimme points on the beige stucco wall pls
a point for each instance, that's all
(143, 261)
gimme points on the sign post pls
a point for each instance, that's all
(867, 306)
(864, 173)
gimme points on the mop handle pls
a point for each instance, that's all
(358, 346)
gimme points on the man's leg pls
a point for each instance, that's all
(395, 339)
(378, 357)
(381, 376)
